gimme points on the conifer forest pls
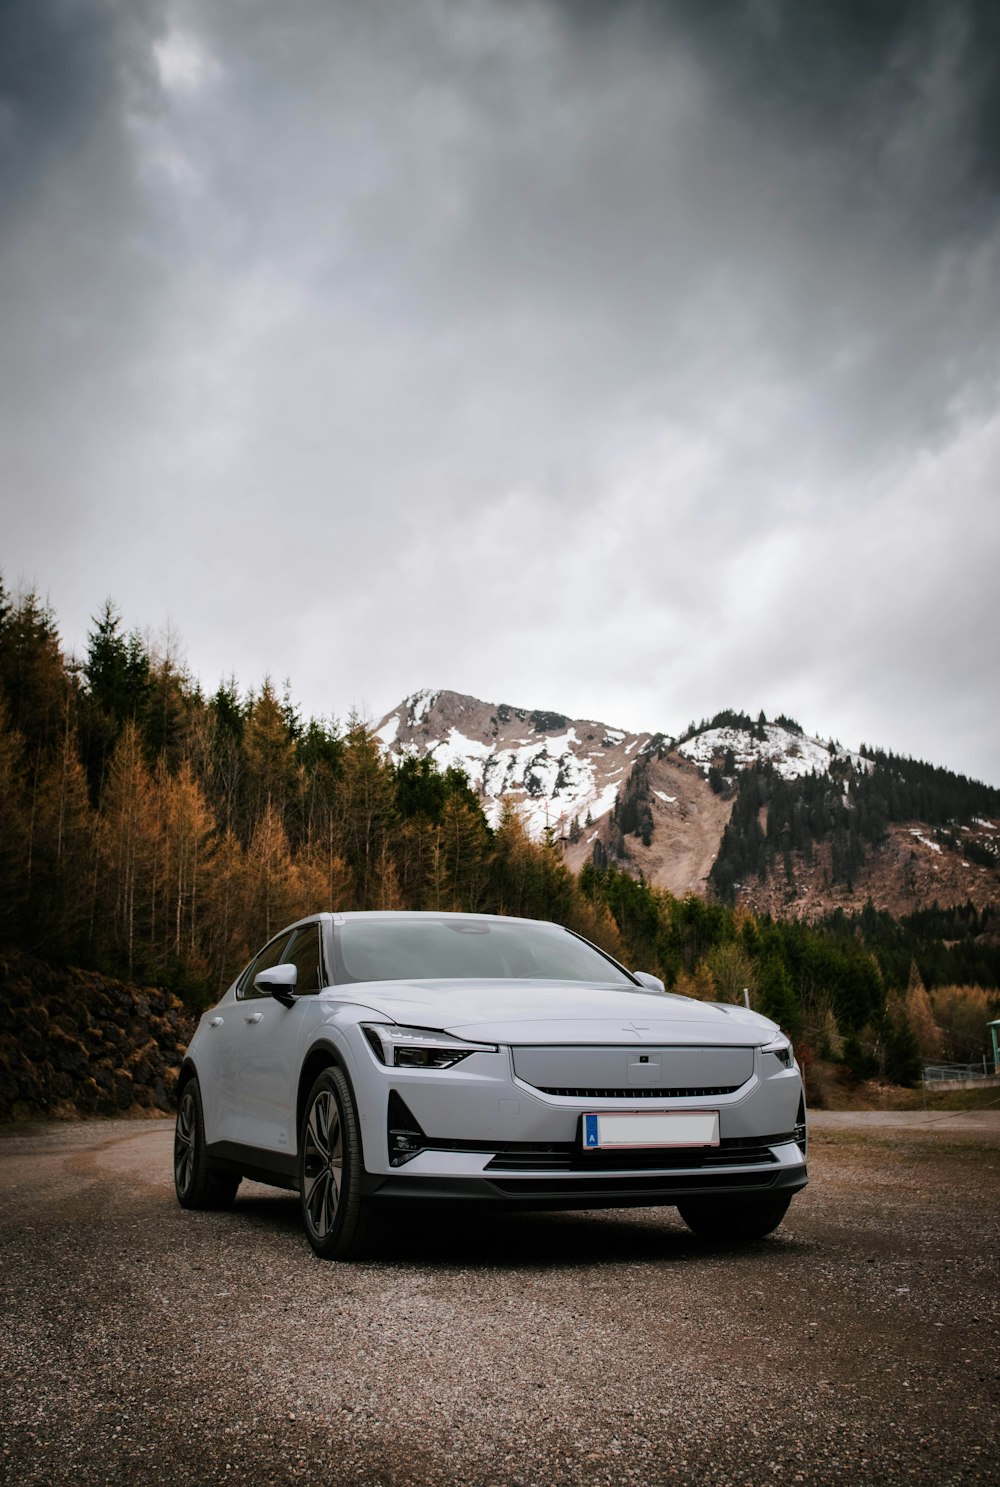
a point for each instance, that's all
(160, 835)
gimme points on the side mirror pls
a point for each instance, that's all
(651, 983)
(279, 981)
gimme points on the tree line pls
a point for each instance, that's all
(161, 834)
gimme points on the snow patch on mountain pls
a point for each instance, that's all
(419, 705)
(792, 754)
(554, 783)
(387, 732)
(554, 769)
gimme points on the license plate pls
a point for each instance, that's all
(651, 1128)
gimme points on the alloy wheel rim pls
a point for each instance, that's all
(184, 1139)
(323, 1163)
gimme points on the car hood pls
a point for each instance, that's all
(556, 1012)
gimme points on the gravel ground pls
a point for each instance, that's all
(140, 1343)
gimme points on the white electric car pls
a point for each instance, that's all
(368, 1057)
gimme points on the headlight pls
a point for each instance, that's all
(418, 1047)
(781, 1048)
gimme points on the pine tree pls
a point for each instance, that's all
(367, 801)
(116, 667)
(116, 690)
(512, 862)
(224, 763)
(777, 995)
(33, 675)
(270, 765)
(14, 825)
(464, 846)
(903, 1064)
(171, 705)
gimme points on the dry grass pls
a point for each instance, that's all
(831, 1087)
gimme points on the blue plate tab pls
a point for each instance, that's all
(590, 1134)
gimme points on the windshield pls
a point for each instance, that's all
(449, 949)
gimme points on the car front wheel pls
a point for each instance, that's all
(198, 1184)
(734, 1219)
(336, 1215)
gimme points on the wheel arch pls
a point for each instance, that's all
(321, 1056)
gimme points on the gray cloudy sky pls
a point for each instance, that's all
(634, 360)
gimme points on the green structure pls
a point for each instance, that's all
(994, 1028)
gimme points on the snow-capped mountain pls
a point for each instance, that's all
(556, 769)
(661, 806)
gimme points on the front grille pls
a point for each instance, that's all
(595, 1187)
(732, 1151)
(638, 1070)
(700, 1092)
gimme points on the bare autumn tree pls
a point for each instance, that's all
(328, 870)
(187, 831)
(962, 1012)
(732, 971)
(62, 827)
(129, 832)
(920, 1015)
(227, 942)
(269, 872)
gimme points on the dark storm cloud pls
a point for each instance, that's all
(630, 359)
(845, 75)
(862, 143)
(56, 69)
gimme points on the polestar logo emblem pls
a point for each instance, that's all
(636, 1027)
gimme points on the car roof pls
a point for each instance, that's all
(347, 915)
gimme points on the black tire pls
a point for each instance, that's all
(197, 1183)
(336, 1215)
(734, 1219)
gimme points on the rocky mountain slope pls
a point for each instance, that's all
(662, 807)
(556, 769)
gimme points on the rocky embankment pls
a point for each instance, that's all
(77, 1043)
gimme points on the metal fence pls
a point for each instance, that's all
(934, 1073)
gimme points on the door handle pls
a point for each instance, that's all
(215, 1022)
(254, 1016)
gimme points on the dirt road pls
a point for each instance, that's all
(140, 1343)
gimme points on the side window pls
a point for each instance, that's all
(303, 952)
(271, 955)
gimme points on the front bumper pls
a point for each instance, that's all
(608, 1188)
(520, 1145)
